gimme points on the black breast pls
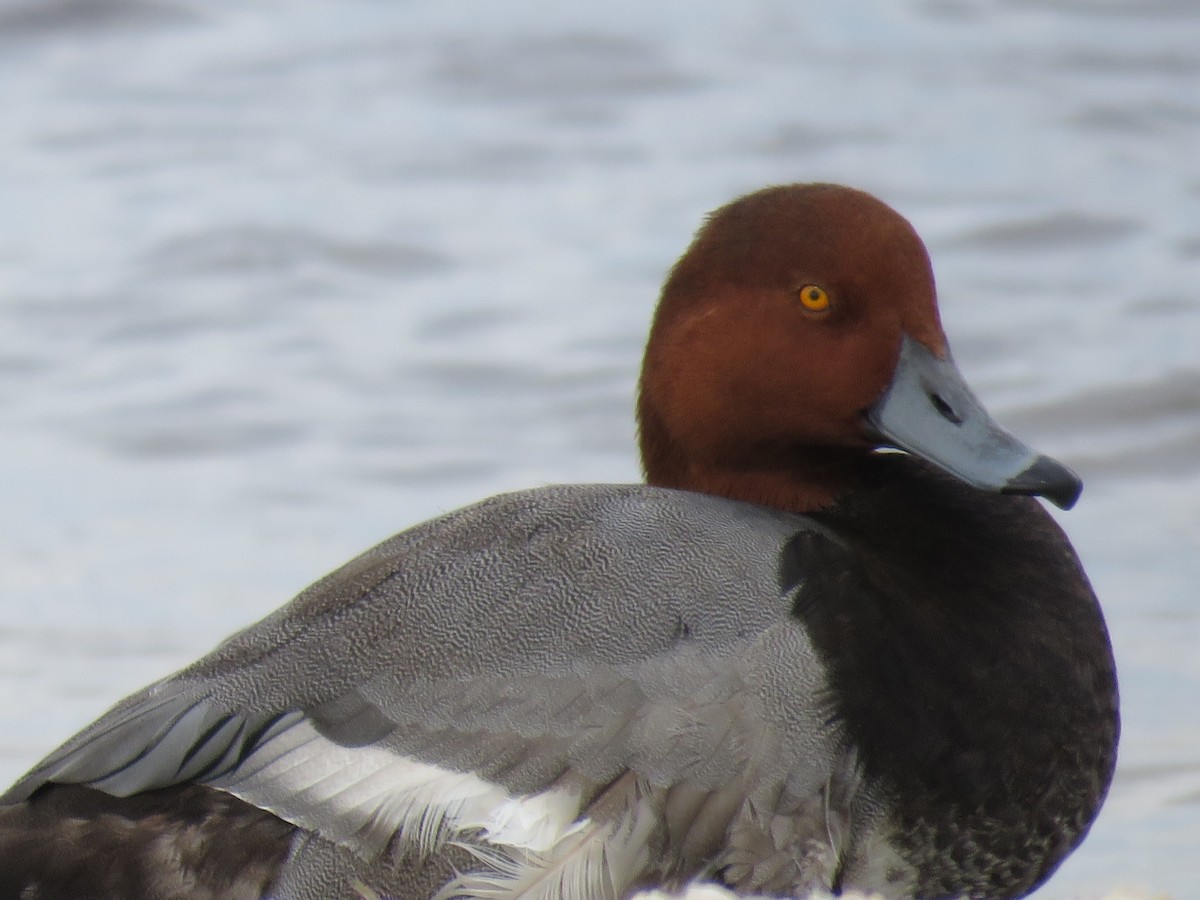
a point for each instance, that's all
(971, 666)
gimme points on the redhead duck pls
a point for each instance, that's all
(833, 643)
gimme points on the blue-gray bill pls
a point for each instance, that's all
(929, 411)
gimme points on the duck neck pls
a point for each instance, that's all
(799, 479)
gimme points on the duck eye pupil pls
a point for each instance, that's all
(814, 298)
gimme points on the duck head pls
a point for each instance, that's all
(799, 335)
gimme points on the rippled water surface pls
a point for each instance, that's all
(278, 279)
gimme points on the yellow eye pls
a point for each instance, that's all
(813, 298)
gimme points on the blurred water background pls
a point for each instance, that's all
(278, 279)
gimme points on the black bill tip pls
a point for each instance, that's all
(1047, 478)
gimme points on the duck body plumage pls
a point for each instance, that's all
(891, 695)
(795, 659)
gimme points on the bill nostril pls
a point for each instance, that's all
(945, 409)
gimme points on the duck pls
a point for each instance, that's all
(835, 642)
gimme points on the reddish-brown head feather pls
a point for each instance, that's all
(748, 394)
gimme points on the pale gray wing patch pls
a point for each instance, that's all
(517, 758)
(364, 797)
(689, 715)
(690, 726)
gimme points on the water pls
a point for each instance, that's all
(280, 278)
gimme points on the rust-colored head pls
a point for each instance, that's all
(798, 334)
(755, 385)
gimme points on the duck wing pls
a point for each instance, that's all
(584, 686)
